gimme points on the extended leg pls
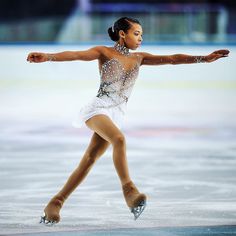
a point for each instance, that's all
(104, 126)
(95, 149)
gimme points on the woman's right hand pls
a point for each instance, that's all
(37, 57)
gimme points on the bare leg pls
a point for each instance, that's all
(105, 132)
(95, 149)
(104, 126)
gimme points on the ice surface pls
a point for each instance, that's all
(181, 144)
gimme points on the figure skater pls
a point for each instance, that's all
(103, 115)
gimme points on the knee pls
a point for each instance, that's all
(119, 140)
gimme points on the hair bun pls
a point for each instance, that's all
(124, 23)
(113, 34)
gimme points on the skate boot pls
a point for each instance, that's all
(52, 210)
(136, 201)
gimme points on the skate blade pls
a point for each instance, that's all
(137, 211)
(46, 222)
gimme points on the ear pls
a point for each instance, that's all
(122, 34)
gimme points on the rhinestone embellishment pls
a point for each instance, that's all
(122, 49)
(116, 83)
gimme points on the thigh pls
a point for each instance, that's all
(104, 127)
(97, 146)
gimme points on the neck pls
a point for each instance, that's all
(122, 49)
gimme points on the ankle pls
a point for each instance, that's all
(129, 187)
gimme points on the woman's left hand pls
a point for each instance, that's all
(216, 55)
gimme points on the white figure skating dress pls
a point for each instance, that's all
(115, 89)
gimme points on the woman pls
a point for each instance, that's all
(103, 115)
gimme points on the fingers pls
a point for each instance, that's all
(222, 52)
(34, 57)
(31, 57)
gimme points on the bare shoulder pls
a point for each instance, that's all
(96, 52)
(103, 50)
(140, 56)
(98, 48)
(90, 54)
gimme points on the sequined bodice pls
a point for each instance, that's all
(116, 83)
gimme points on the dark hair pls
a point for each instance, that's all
(124, 23)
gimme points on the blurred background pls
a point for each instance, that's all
(191, 27)
(180, 119)
(76, 21)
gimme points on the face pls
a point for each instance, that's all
(133, 37)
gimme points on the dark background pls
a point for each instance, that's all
(23, 9)
(20, 19)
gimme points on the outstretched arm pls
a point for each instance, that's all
(87, 55)
(149, 59)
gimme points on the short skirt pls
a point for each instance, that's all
(98, 106)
